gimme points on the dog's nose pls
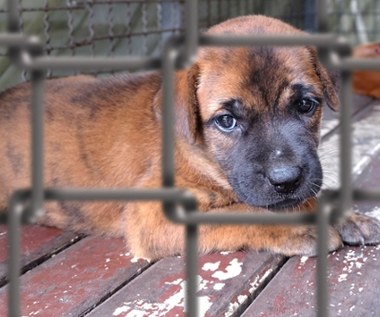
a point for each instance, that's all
(285, 178)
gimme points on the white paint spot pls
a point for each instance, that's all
(304, 259)
(118, 311)
(232, 270)
(175, 282)
(259, 280)
(204, 305)
(218, 286)
(342, 277)
(211, 266)
(242, 298)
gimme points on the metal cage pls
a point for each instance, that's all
(28, 53)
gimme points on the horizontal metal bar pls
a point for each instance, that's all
(351, 64)
(187, 214)
(361, 195)
(235, 218)
(320, 40)
(131, 63)
(18, 40)
(80, 194)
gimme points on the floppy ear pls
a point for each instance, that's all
(188, 121)
(329, 80)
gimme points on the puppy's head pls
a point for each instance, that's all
(257, 112)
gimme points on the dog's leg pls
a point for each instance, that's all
(151, 235)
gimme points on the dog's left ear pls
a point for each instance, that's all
(329, 80)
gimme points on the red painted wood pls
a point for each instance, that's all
(354, 286)
(37, 242)
(76, 279)
(227, 282)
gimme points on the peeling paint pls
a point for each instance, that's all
(211, 266)
(232, 270)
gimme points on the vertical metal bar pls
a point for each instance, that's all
(192, 305)
(169, 59)
(345, 201)
(322, 214)
(191, 29)
(37, 122)
(12, 16)
(322, 242)
(321, 11)
(14, 246)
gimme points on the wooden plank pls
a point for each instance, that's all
(354, 286)
(228, 281)
(76, 279)
(38, 243)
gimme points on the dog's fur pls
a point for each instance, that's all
(105, 133)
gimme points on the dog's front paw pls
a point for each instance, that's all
(303, 241)
(359, 229)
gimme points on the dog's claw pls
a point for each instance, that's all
(359, 229)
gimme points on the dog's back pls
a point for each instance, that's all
(80, 110)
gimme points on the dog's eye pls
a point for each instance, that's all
(226, 122)
(306, 106)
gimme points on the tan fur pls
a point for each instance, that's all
(105, 133)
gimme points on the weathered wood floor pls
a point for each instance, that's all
(69, 275)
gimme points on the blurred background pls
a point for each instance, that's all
(140, 27)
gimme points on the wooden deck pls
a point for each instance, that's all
(69, 275)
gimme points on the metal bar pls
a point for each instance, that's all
(80, 194)
(84, 63)
(320, 40)
(191, 30)
(192, 303)
(323, 216)
(8, 39)
(360, 195)
(14, 247)
(169, 59)
(351, 64)
(321, 6)
(345, 195)
(37, 124)
(12, 16)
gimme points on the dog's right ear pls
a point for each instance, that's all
(188, 123)
(329, 80)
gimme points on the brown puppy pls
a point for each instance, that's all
(247, 131)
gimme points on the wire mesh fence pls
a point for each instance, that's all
(141, 27)
(73, 12)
